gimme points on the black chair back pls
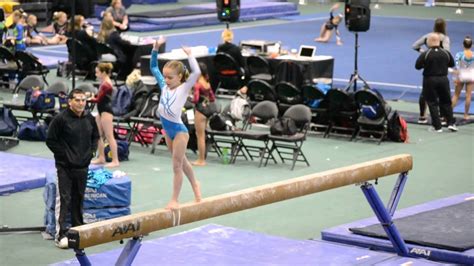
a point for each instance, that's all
(226, 65)
(259, 90)
(340, 100)
(288, 93)
(257, 65)
(371, 98)
(28, 61)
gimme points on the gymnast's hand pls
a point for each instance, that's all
(186, 50)
(161, 40)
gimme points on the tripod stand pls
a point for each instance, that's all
(355, 76)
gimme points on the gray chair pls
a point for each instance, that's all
(58, 87)
(291, 145)
(248, 140)
(30, 82)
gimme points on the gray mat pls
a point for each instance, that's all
(450, 228)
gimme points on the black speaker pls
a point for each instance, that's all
(228, 10)
(357, 15)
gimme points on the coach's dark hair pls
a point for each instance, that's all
(75, 91)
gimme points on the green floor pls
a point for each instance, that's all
(443, 166)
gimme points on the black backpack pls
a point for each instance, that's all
(221, 122)
(8, 122)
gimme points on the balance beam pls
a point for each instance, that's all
(139, 224)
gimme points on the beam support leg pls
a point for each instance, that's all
(385, 219)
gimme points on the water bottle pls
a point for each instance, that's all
(225, 156)
(15, 98)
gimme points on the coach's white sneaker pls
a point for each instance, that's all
(62, 243)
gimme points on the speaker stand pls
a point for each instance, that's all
(355, 76)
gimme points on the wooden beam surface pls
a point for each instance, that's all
(149, 221)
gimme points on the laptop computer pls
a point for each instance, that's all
(306, 51)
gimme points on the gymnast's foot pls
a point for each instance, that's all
(98, 161)
(172, 205)
(199, 163)
(112, 165)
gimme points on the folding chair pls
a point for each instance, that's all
(264, 112)
(373, 118)
(229, 74)
(30, 65)
(291, 145)
(219, 140)
(259, 68)
(316, 100)
(288, 95)
(343, 113)
(8, 62)
(260, 90)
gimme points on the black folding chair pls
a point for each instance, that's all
(229, 74)
(373, 117)
(291, 145)
(30, 65)
(316, 100)
(260, 90)
(343, 113)
(9, 65)
(259, 68)
(288, 95)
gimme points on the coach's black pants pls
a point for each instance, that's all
(71, 187)
(438, 95)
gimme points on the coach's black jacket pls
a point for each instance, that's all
(73, 139)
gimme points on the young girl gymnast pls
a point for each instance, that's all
(329, 26)
(176, 83)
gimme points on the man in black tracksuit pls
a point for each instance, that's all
(435, 62)
(72, 137)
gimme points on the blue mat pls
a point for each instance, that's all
(219, 245)
(21, 172)
(341, 233)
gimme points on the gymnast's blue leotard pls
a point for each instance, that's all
(172, 101)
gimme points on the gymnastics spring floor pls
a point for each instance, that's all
(219, 245)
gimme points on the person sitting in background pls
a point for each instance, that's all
(14, 36)
(464, 62)
(59, 28)
(231, 49)
(204, 100)
(439, 28)
(330, 25)
(119, 14)
(122, 48)
(33, 36)
(89, 43)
